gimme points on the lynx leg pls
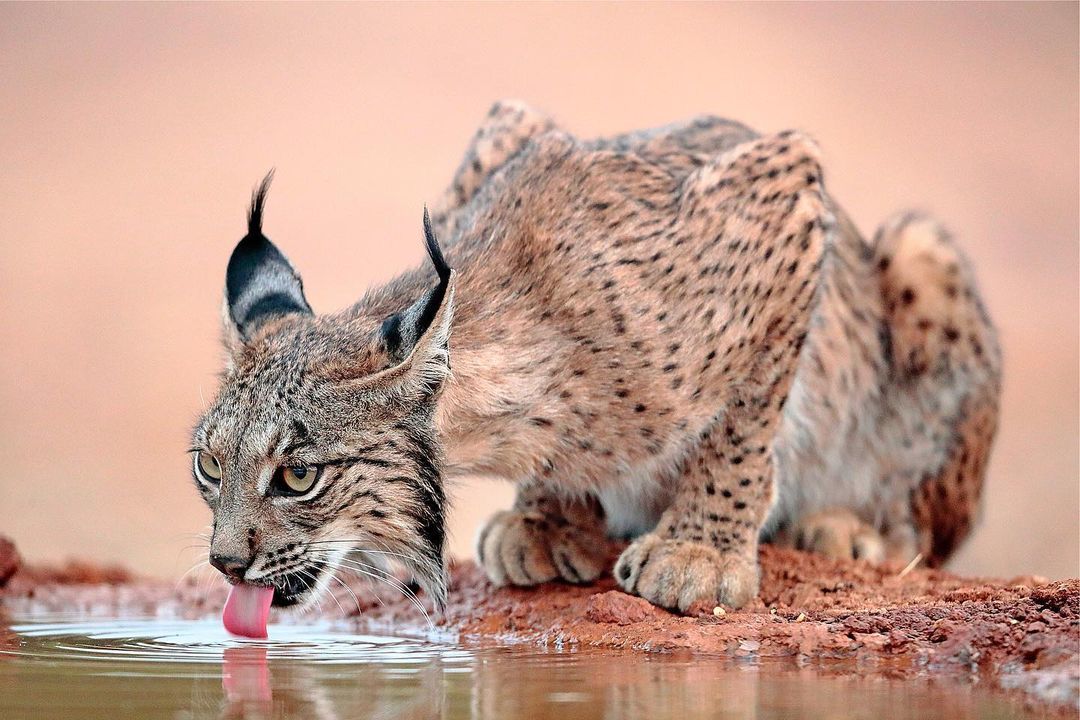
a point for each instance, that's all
(945, 504)
(839, 534)
(705, 546)
(945, 356)
(543, 538)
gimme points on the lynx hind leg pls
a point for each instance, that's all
(544, 538)
(944, 353)
(508, 127)
(945, 504)
(837, 533)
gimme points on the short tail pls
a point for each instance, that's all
(941, 341)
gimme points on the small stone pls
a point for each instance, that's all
(801, 617)
(719, 611)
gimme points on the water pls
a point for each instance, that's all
(184, 669)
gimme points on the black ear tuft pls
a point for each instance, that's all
(401, 331)
(260, 283)
(258, 201)
(434, 251)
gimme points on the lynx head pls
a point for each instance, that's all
(319, 452)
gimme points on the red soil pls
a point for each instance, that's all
(1023, 633)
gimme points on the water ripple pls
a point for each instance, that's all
(207, 642)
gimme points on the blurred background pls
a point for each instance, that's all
(131, 136)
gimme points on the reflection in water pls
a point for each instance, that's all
(304, 691)
(245, 677)
(189, 670)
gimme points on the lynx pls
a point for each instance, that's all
(674, 336)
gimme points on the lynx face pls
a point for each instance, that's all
(319, 452)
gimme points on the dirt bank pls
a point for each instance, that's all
(1024, 633)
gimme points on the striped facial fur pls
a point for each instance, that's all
(319, 453)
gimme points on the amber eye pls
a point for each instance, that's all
(208, 466)
(294, 480)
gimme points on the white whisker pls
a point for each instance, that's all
(325, 558)
(314, 581)
(380, 574)
(199, 564)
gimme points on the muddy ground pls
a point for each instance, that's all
(1021, 634)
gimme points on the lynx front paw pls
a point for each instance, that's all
(839, 534)
(678, 573)
(518, 548)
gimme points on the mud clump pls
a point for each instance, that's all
(617, 608)
(1022, 634)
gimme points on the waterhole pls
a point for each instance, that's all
(51, 668)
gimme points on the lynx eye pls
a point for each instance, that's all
(208, 466)
(294, 480)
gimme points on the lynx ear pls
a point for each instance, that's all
(260, 284)
(418, 338)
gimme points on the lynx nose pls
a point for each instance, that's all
(229, 565)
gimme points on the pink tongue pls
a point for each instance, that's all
(247, 610)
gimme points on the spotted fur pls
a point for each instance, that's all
(673, 335)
